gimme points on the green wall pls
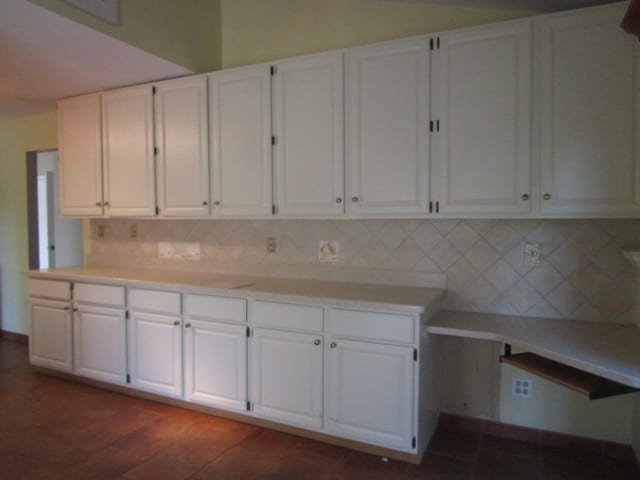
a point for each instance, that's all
(17, 137)
(186, 32)
(256, 31)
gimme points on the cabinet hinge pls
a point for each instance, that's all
(274, 70)
(437, 125)
(128, 378)
(413, 442)
(71, 287)
(157, 210)
(248, 333)
(431, 43)
(155, 150)
(437, 207)
(248, 406)
(438, 43)
(274, 209)
(415, 354)
(154, 90)
(431, 125)
(126, 314)
(274, 140)
(430, 207)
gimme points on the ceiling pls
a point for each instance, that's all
(526, 5)
(44, 56)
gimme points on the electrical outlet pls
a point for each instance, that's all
(133, 230)
(271, 244)
(521, 388)
(101, 230)
(532, 255)
(328, 250)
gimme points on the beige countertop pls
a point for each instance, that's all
(608, 350)
(353, 295)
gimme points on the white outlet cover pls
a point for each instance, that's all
(521, 387)
(328, 250)
(532, 255)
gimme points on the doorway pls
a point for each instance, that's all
(54, 241)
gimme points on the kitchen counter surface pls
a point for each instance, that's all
(608, 350)
(353, 295)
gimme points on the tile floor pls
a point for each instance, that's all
(55, 429)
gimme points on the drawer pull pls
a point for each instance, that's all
(316, 342)
(176, 323)
(334, 344)
(188, 325)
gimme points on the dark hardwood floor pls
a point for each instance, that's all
(56, 429)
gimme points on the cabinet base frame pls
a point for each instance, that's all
(321, 437)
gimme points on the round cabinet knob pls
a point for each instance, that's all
(106, 204)
(205, 203)
(547, 196)
(67, 308)
(176, 323)
(525, 196)
(188, 325)
(334, 344)
(98, 204)
(316, 342)
(216, 203)
(338, 200)
(354, 199)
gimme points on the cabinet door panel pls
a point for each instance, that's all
(484, 143)
(216, 364)
(371, 392)
(50, 342)
(286, 373)
(309, 114)
(388, 130)
(80, 144)
(183, 147)
(127, 119)
(155, 353)
(100, 344)
(240, 109)
(590, 118)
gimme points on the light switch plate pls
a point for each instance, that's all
(328, 250)
(532, 255)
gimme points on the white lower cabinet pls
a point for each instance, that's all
(286, 377)
(50, 343)
(371, 393)
(155, 342)
(100, 342)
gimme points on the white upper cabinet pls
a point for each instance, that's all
(309, 127)
(240, 129)
(483, 112)
(590, 114)
(388, 128)
(129, 176)
(182, 138)
(80, 141)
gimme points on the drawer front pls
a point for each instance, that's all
(155, 301)
(384, 327)
(49, 289)
(216, 308)
(99, 294)
(287, 316)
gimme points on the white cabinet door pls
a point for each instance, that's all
(50, 342)
(80, 144)
(388, 128)
(216, 364)
(129, 176)
(286, 377)
(484, 101)
(371, 393)
(240, 113)
(182, 138)
(155, 353)
(590, 114)
(99, 344)
(309, 113)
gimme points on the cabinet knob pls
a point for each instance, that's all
(98, 204)
(316, 342)
(216, 203)
(205, 203)
(333, 345)
(75, 309)
(176, 323)
(188, 325)
(67, 308)
(354, 199)
(338, 200)
(547, 196)
(106, 204)
(525, 196)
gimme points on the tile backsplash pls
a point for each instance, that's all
(582, 275)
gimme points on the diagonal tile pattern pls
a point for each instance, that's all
(583, 275)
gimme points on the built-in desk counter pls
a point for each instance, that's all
(607, 350)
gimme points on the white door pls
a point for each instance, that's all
(309, 152)
(590, 114)
(371, 393)
(50, 342)
(240, 113)
(182, 138)
(80, 146)
(99, 344)
(155, 353)
(129, 173)
(388, 128)
(286, 377)
(215, 364)
(484, 141)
